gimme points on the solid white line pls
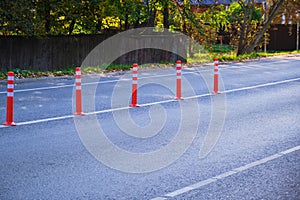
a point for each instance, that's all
(223, 67)
(159, 198)
(154, 103)
(227, 174)
(259, 65)
(42, 88)
(290, 150)
(262, 85)
(224, 175)
(178, 192)
(202, 183)
(42, 120)
(92, 83)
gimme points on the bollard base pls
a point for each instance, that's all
(216, 92)
(9, 124)
(79, 114)
(134, 105)
(178, 98)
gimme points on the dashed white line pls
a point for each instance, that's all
(154, 103)
(226, 174)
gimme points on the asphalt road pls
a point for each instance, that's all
(241, 144)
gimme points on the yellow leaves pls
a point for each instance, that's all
(109, 22)
(5, 24)
(61, 18)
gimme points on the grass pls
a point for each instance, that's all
(21, 73)
(105, 68)
(224, 55)
(228, 54)
(222, 49)
(277, 53)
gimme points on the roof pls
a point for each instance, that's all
(211, 2)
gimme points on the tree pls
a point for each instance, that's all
(289, 8)
(214, 20)
(243, 22)
(247, 44)
(16, 17)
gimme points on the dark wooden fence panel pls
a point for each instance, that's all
(57, 52)
(282, 37)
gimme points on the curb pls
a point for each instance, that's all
(122, 72)
(39, 79)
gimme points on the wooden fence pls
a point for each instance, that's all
(58, 52)
(282, 37)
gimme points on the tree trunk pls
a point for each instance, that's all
(126, 25)
(166, 14)
(250, 48)
(71, 27)
(151, 18)
(98, 25)
(242, 35)
(47, 16)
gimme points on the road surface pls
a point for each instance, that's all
(251, 132)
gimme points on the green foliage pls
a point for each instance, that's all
(105, 68)
(50, 17)
(217, 17)
(244, 23)
(3, 75)
(235, 13)
(222, 49)
(13, 15)
(66, 17)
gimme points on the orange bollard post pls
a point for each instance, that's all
(216, 76)
(78, 93)
(178, 80)
(134, 98)
(10, 100)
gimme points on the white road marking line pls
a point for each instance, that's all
(224, 175)
(91, 83)
(246, 67)
(41, 120)
(57, 87)
(159, 198)
(290, 150)
(284, 61)
(262, 85)
(253, 164)
(178, 192)
(154, 103)
(222, 67)
(262, 65)
(202, 183)
(227, 174)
